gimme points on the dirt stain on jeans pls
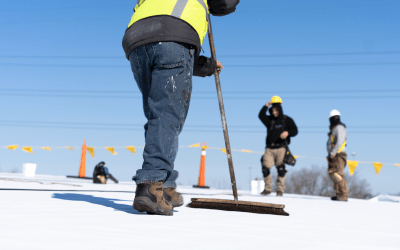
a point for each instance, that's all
(187, 97)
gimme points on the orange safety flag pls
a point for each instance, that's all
(46, 148)
(377, 166)
(352, 166)
(112, 150)
(12, 147)
(27, 149)
(223, 150)
(246, 151)
(132, 149)
(91, 151)
(195, 145)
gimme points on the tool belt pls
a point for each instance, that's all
(289, 158)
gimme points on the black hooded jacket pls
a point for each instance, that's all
(99, 169)
(276, 126)
(170, 29)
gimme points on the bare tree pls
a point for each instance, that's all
(315, 181)
(14, 170)
(358, 188)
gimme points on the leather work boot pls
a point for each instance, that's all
(279, 194)
(174, 198)
(265, 192)
(149, 198)
(335, 198)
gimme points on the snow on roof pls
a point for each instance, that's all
(55, 212)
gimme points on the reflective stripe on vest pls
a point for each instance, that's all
(194, 12)
(341, 148)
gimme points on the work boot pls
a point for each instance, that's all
(279, 194)
(265, 192)
(149, 198)
(174, 198)
(335, 198)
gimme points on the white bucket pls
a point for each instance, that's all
(29, 169)
(257, 186)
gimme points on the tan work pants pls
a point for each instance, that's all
(102, 179)
(335, 171)
(274, 157)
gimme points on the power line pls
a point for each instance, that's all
(312, 65)
(315, 54)
(185, 130)
(225, 66)
(126, 92)
(228, 98)
(188, 128)
(197, 125)
(222, 56)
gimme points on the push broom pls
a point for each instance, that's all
(231, 205)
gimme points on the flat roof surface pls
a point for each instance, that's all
(55, 212)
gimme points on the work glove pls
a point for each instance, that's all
(222, 7)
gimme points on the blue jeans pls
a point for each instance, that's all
(170, 182)
(163, 72)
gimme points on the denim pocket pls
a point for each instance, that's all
(169, 54)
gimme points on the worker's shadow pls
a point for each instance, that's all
(97, 201)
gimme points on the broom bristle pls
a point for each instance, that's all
(239, 206)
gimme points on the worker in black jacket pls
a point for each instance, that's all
(279, 130)
(163, 43)
(101, 174)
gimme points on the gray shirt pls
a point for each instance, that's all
(339, 135)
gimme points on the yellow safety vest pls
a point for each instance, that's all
(194, 12)
(341, 148)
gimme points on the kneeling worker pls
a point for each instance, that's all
(279, 130)
(101, 174)
(337, 156)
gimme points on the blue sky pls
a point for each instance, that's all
(64, 77)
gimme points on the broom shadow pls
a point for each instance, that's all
(106, 202)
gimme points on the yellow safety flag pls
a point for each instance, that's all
(12, 147)
(91, 151)
(295, 156)
(352, 166)
(205, 147)
(70, 148)
(46, 148)
(195, 145)
(247, 151)
(132, 149)
(223, 150)
(397, 165)
(377, 166)
(28, 149)
(112, 150)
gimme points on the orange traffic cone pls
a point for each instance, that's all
(202, 177)
(82, 167)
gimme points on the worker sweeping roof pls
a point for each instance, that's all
(163, 42)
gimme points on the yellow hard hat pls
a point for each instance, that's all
(276, 99)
